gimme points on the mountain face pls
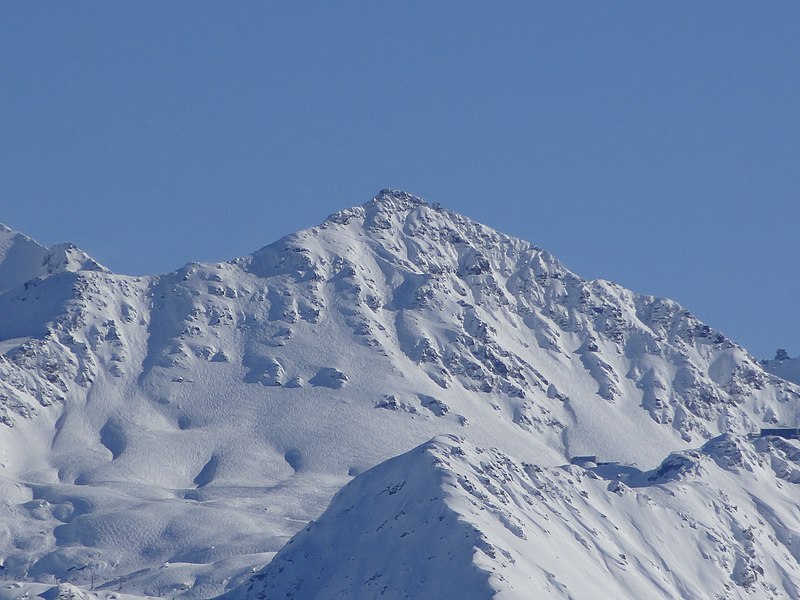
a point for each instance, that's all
(174, 431)
(450, 520)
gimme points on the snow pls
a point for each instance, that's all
(451, 520)
(177, 430)
(19, 590)
(7, 346)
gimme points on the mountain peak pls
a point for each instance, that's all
(384, 204)
(399, 212)
(68, 257)
(23, 259)
(399, 198)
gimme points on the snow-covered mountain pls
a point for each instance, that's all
(174, 431)
(450, 520)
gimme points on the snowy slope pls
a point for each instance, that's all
(177, 430)
(23, 590)
(450, 520)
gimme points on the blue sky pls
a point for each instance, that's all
(653, 144)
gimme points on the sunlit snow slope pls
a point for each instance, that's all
(174, 431)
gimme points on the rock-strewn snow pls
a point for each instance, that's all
(450, 520)
(176, 430)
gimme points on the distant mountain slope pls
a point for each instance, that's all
(783, 366)
(449, 520)
(201, 417)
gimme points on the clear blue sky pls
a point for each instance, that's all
(653, 144)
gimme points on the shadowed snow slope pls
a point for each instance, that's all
(450, 520)
(175, 430)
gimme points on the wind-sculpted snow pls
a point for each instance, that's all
(176, 430)
(450, 520)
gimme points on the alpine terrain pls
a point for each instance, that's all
(397, 403)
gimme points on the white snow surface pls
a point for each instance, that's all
(176, 430)
(451, 520)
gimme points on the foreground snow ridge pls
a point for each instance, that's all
(451, 520)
